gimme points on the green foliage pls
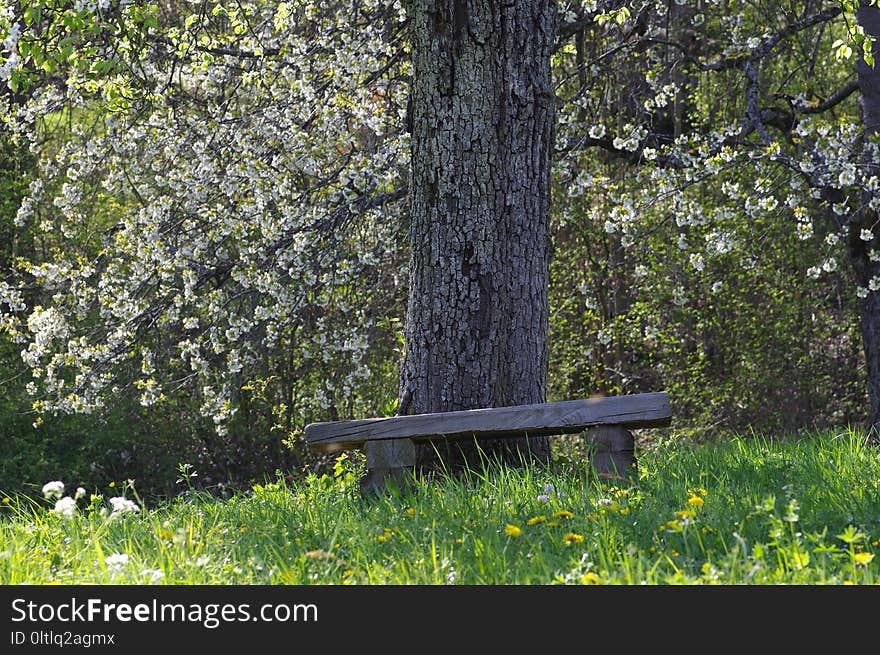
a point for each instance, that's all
(747, 340)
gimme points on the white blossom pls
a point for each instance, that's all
(53, 489)
(65, 507)
(116, 562)
(122, 506)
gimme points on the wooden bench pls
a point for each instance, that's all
(389, 443)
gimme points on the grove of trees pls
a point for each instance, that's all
(224, 220)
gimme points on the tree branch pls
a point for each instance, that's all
(835, 98)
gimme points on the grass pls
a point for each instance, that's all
(744, 511)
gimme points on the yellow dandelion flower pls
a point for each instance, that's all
(562, 514)
(7, 500)
(863, 558)
(409, 511)
(696, 501)
(685, 513)
(459, 540)
(674, 525)
(537, 519)
(591, 578)
(512, 530)
(573, 537)
(111, 485)
(624, 511)
(674, 553)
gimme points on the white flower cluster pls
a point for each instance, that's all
(240, 220)
(122, 506)
(65, 506)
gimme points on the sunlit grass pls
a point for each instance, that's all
(741, 511)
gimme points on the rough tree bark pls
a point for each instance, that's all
(481, 130)
(865, 268)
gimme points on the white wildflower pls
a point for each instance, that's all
(65, 507)
(53, 489)
(116, 562)
(123, 506)
(154, 575)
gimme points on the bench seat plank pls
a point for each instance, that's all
(568, 416)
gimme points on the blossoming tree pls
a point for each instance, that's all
(732, 132)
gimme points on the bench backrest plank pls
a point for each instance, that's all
(563, 417)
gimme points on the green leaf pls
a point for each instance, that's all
(32, 15)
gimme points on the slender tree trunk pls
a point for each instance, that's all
(865, 268)
(482, 129)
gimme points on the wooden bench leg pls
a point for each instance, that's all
(388, 460)
(614, 455)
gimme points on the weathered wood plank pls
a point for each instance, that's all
(567, 416)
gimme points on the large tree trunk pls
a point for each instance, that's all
(865, 268)
(481, 129)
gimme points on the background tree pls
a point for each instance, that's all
(732, 144)
(865, 217)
